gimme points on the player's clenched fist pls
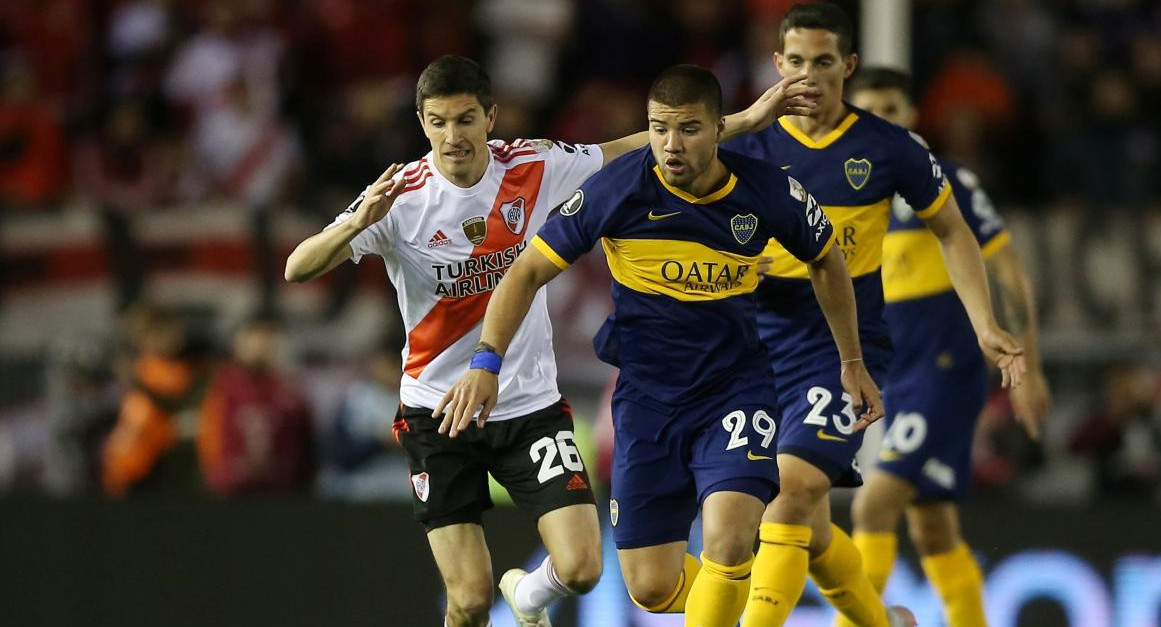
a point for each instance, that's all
(377, 198)
(475, 388)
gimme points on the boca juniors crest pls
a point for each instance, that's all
(476, 229)
(744, 227)
(857, 171)
(513, 214)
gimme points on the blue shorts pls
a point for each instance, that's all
(818, 420)
(667, 460)
(930, 426)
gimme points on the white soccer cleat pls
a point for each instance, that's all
(508, 589)
(899, 616)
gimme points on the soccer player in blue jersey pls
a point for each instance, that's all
(938, 380)
(855, 164)
(683, 226)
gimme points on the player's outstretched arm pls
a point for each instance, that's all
(321, 252)
(1015, 304)
(789, 96)
(506, 311)
(836, 297)
(965, 266)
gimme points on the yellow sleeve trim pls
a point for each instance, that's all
(547, 250)
(938, 203)
(995, 244)
(826, 247)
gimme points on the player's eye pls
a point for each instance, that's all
(660, 130)
(691, 130)
(437, 123)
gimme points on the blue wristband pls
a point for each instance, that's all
(486, 360)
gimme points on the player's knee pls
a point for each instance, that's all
(649, 590)
(469, 604)
(867, 514)
(728, 545)
(580, 572)
(931, 536)
(799, 497)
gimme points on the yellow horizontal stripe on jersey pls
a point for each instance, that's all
(686, 271)
(547, 250)
(913, 264)
(858, 232)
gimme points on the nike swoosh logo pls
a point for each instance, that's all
(755, 458)
(786, 167)
(823, 435)
(890, 456)
(653, 216)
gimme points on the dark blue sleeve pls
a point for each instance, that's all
(578, 222)
(975, 205)
(797, 220)
(918, 175)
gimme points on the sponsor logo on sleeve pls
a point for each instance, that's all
(573, 205)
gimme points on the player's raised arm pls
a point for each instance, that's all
(836, 297)
(790, 96)
(320, 253)
(1015, 304)
(506, 310)
(965, 266)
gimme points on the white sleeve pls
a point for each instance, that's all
(374, 240)
(570, 165)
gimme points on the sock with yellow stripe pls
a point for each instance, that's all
(957, 579)
(878, 550)
(718, 595)
(838, 571)
(675, 604)
(779, 574)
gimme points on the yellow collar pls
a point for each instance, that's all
(827, 139)
(721, 193)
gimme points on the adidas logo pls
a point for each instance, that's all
(437, 240)
(576, 483)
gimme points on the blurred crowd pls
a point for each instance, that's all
(126, 107)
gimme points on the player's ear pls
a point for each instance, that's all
(852, 63)
(492, 117)
(721, 128)
(778, 62)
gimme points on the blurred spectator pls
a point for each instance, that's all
(83, 399)
(1123, 435)
(255, 433)
(152, 448)
(32, 141)
(361, 459)
(525, 40)
(124, 172)
(967, 104)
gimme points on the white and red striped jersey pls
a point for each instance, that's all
(447, 247)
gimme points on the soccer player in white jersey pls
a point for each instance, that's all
(448, 226)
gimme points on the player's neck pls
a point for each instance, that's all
(710, 181)
(821, 123)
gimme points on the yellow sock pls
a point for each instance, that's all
(779, 574)
(718, 595)
(675, 604)
(957, 579)
(838, 571)
(878, 551)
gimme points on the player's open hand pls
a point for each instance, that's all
(1004, 351)
(378, 198)
(864, 393)
(477, 387)
(1031, 401)
(789, 96)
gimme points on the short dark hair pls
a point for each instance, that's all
(820, 15)
(450, 75)
(686, 84)
(880, 77)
